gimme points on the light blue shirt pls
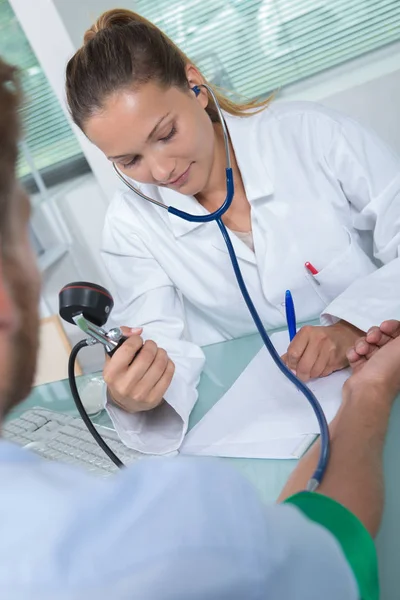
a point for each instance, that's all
(164, 529)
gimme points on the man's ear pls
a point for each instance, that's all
(8, 313)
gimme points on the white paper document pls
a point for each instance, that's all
(263, 415)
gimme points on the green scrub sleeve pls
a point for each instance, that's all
(355, 541)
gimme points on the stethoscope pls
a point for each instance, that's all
(217, 216)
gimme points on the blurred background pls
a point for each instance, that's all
(342, 53)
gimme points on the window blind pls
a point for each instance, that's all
(47, 132)
(253, 47)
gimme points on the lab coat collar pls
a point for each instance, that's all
(187, 204)
(181, 227)
(244, 133)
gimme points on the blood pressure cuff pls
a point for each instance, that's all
(355, 541)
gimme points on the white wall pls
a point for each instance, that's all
(77, 15)
(367, 89)
(376, 104)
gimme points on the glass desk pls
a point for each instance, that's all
(224, 363)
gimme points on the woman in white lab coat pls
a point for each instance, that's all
(310, 186)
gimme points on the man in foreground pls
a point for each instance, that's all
(178, 528)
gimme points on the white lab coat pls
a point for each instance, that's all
(321, 188)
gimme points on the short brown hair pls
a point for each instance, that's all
(9, 134)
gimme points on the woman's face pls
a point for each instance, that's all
(158, 136)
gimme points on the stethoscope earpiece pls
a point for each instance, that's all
(196, 90)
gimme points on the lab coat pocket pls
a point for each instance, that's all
(337, 275)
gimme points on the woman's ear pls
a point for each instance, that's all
(195, 80)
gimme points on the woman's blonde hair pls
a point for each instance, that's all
(122, 48)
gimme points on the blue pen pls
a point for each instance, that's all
(290, 315)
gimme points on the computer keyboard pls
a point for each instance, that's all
(63, 438)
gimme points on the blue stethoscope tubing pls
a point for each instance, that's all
(216, 216)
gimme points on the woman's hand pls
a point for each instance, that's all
(138, 374)
(318, 351)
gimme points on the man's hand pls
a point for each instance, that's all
(375, 361)
(138, 375)
(319, 351)
(375, 338)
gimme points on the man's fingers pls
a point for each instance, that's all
(391, 328)
(356, 361)
(352, 356)
(380, 336)
(363, 347)
(376, 337)
(356, 365)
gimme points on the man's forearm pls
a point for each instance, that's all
(357, 440)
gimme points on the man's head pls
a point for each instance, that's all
(19, 279)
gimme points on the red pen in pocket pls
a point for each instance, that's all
(311, 269)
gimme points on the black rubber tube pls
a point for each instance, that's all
(78, 402)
